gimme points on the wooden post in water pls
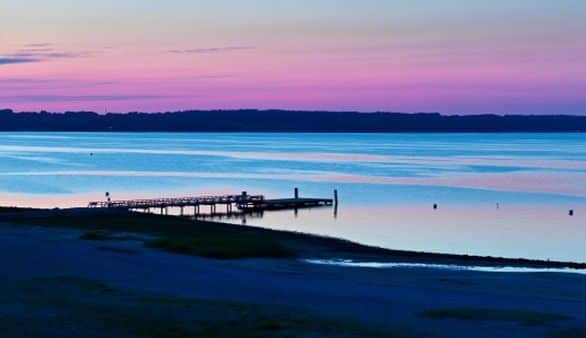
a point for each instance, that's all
(296, 193)
(335, 203)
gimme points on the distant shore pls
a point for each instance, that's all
(228, 241)
(251, 120)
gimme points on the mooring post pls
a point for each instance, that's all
(571, 212)
(296, 193)
(336, 197)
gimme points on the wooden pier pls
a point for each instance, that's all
(227, 202)
(222, 205)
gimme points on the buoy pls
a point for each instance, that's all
(435, 207)
(571, 213)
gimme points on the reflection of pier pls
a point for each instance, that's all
(286, 203)
(214, 206)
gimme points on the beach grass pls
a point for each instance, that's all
(227, 247)
(14, 209)
(568, 333)
(186, 237)
(73, 307)
(177, 235)
(103, 235)
(473, 314)
(95, 235)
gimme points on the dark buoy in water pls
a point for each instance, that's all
(571, 213)
(435, 207)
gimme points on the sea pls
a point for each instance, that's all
(505, 194)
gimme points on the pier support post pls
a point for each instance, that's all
(336, 197)
(296, 193)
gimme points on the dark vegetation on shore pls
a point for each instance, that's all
(286, 121)
(518, 316)
(228, 241)
(224, 247)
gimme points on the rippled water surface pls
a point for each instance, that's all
(498, 194)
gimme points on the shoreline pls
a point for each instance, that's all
(51, 269)
(300, 245)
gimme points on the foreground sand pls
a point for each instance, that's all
(49, 274)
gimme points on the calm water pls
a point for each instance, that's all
(387, 183)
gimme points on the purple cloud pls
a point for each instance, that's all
(79, 98)
(35, 45)
(212, 50)
(38, 53)
(15, 60)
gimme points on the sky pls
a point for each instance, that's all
(449, 56)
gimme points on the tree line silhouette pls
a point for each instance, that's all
(286, 121)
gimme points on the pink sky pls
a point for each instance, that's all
(502, 57)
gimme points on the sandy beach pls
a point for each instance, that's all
(397, 302)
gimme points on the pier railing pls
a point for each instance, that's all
(242, 199)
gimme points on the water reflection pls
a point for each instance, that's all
(513, 231)
(497, 194)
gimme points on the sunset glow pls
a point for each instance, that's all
(449, 56)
